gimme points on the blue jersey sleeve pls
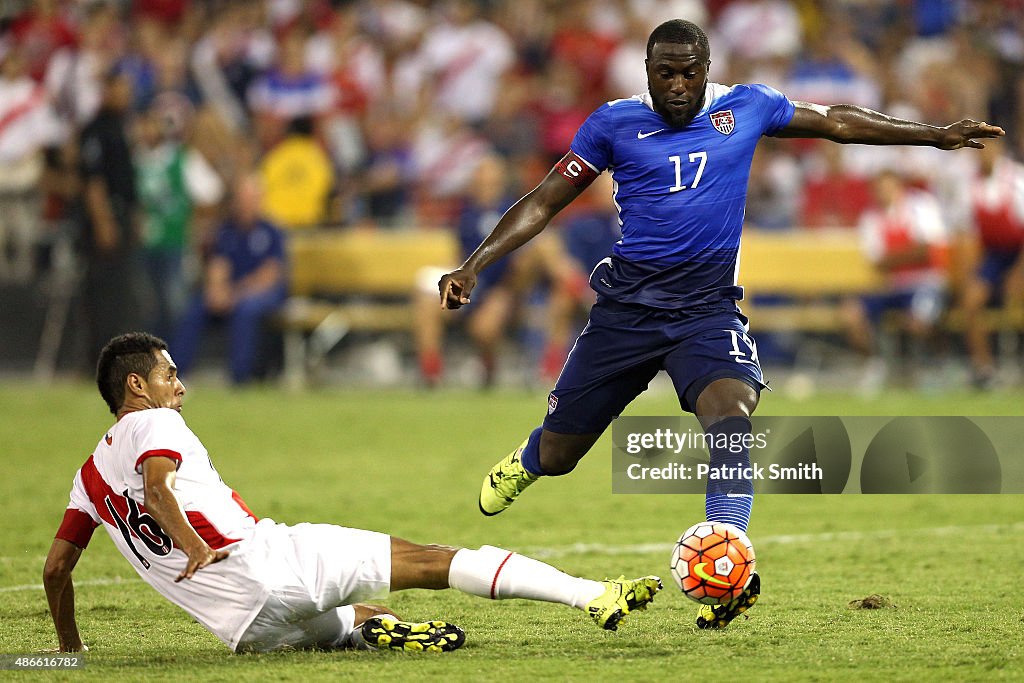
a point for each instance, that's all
(593, 141)
(775, 108)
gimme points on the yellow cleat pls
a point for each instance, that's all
(504, 482)
(620, 598)
(719, 616)
(388, 633)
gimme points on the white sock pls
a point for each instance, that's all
(499, 574)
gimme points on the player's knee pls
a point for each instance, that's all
(726, 397)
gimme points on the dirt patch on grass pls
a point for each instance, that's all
(872, 602)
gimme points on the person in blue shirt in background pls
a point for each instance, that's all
(484, 201)
(680, 158)
(245, 282)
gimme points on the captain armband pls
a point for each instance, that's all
(574, 169)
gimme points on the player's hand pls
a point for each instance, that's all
(963, 134)
(201, 556)
(455, 288)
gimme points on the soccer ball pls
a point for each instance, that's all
(712, 562)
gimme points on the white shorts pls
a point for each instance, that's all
(318, 569)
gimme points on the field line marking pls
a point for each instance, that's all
(88, 582)
(542, 552)
(547, 552)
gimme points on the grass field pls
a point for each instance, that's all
(410, 464)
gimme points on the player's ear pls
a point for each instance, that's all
(136, 384)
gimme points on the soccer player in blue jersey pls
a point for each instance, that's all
(666, 299)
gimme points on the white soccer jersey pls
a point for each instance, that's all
(108, 490)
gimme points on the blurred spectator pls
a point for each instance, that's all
(487, 198)
(761, 32)
(834, 68)
(27, 126)
(288, 91)
(906, 238)
(40, 31)
(73, 77)
(110, 234)
(833, 197)
(463, 58)
(172, 180)
(445, 156)
(297, 178)
(579, 43)
(626, 75)
(997, 216)
(558, 109)
(586, 237)
(245, 283)
(773, 192)
(388, 171)
(227, 59)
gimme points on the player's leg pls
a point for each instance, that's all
(486, 327)
(429, 328)
(718, 377)
(613, 360)
(282, 624)
(188, 335)
(246, 332)
(977, 292)
(860, 317)
(497, 574)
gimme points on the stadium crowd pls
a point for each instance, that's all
(377, 114)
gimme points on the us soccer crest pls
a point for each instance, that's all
(552, 403)
(723, 121)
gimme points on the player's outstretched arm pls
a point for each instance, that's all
(158, 476)
(60, 593)
(847, 123)
(524, 221)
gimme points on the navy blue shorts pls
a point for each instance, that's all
(995, 264)
(924, 303)
(624, 346)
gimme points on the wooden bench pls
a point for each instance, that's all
(345, 281)
(811, 270)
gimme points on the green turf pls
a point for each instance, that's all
(410, 464)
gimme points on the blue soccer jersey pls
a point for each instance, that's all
(680, 192)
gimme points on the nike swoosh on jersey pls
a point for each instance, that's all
(640, 135)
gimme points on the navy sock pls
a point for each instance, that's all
(531, 454)
(730, 499)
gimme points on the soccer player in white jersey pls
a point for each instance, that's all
(255, 584)
(680, 157)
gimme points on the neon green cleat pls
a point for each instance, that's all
(620, 598)
(504, 482)
(719, 616)
(388, 633)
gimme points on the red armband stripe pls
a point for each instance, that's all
(576, 170)
(76, 528)
(158, 453)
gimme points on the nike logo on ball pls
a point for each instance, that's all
(699, 570)
(640, 135)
